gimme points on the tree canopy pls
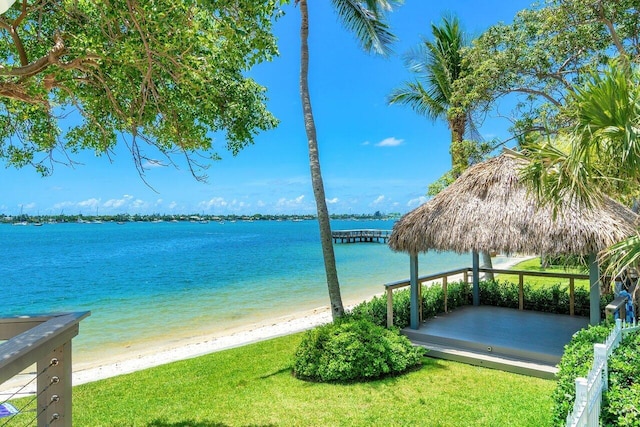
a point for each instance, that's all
(77, 74)
(544, 54)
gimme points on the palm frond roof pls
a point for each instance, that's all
(488, 208)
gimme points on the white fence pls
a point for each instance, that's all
(586, 408)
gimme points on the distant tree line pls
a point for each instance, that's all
(41, 219)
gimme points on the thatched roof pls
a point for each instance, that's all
(489, 209)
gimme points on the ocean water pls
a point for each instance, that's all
(149, 282)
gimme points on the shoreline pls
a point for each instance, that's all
(167, 351)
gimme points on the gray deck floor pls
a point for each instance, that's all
(495, 331)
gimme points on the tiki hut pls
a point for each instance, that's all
(489, 209)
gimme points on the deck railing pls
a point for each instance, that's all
(360, 236)
(46, 342)
(463, 274)
(586, 407)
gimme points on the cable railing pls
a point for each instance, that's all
(44, 397)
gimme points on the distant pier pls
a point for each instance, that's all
(360, 236)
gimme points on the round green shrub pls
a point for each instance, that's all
(353, 349)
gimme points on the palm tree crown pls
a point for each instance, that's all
(439, 64)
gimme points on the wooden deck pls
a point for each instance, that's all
(360, 236)
(525, 342)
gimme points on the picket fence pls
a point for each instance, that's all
(586, 408)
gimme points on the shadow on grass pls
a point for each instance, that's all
(278, 372)
(191, 423)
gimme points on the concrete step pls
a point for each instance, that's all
(488, 347)
(490, 360)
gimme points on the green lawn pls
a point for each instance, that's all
(252, 386)
(534, 265)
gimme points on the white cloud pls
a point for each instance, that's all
(150, 164)
(289, 203)
(138, 204)
(89, 203)
(366, 143)
(333, 201)
(173, 205)
(114, 203)
(378, 200)
(390, 142)
(63, 205)
(118, 203)
(417, 201)
(238, 205)
(216, 202)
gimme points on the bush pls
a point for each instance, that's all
(576, 362)
(552, 299)
(621, 405)
(458, 294)
(500, 294)
(353, 349)
(376, 309)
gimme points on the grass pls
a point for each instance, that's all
(253, 386)
(534, 265)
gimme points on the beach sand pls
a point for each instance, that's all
(160, 353)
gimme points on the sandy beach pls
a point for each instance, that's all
(165, 352)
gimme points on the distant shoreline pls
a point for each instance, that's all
(37, 220)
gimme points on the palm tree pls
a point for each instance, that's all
(439, 63)
(366, 20)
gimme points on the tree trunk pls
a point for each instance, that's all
(487, 263)
(335, 299)
(459, 160)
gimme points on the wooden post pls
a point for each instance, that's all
(572, 297)
(415, 292)
(54, 388)
(420, 316)
(521, 291)
(476, 278)
(389, 307)
(594, 294)
(444, 292)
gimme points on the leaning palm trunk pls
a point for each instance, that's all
(335, 299)
(487, 263)
(459, 163)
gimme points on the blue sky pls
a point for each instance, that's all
(374, 157)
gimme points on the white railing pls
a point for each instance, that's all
(586, 408)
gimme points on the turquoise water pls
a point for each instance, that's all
(144, 282)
